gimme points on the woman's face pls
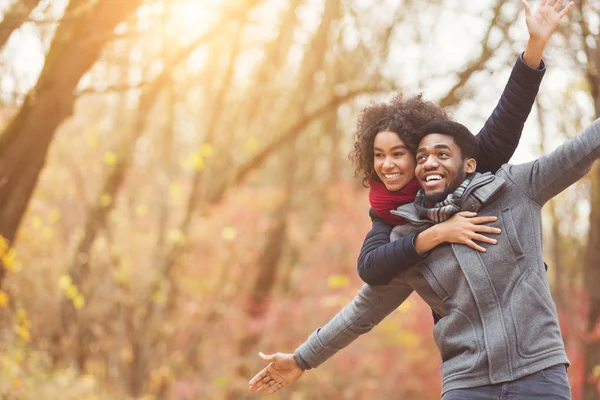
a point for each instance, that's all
(393, 162)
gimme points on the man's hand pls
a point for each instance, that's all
(541, 25)
(282, 371)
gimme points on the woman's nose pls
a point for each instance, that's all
(388, 163)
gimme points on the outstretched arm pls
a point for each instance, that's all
(367, 309)
(549, 175)
(499, 137)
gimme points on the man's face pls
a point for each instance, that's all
(440, 166)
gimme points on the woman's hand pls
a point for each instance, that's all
(282, 371)
(546, 18)
(541, 25)
(466, 227)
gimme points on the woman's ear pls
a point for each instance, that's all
(470, 165)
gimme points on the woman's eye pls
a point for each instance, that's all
(398, 154)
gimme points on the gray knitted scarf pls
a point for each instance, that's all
(443, 210)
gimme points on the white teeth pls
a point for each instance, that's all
(392, 176)
(433, 178)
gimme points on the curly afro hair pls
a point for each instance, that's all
(403, 116)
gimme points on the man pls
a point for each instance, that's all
(499, 331)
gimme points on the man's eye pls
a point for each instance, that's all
(443, 154)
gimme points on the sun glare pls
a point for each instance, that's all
(192, 17)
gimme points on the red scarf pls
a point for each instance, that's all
(383, 201)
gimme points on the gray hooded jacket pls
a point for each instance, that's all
(499, 320)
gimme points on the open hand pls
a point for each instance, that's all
(466, 227)
(282, 371)
(544, 21)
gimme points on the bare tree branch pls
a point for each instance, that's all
(14, 18)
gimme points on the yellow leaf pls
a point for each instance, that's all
(197, 162)
(105, 200)
(206, 150)
(64, 282)
(4, 245)
(21, 314)
(596, 372)
(93, 141)
(142, 210)
(79, 302)
(47, 232)
(110, 159)
(221, 381)
(175, 191)
(37, 222)
(337, 281)
(23, 333)
(228, 233)
(3, 298)
(16, 383)
(159, 297)
(176, 236)
(252, 144)
(71, 292)
(54, 216)
(8, 259)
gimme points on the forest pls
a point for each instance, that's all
(176, 193)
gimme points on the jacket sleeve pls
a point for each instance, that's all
(380, 260)
(499, 137)
(370, 306)
(549, 175)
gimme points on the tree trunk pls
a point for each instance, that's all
(25, 141)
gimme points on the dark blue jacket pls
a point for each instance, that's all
(379, 260)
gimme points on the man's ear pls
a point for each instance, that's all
(470, 165)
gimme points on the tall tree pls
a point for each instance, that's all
(24, 144)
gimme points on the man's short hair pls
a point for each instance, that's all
(463, 137)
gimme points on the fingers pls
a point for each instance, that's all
(267, 357)
(275, 388)
(256, 381)
(487, 229)
(467, 214)
(483, 220)
(557, 5)
(566, 9)
(484, 239)
(475, 246)
(271, 384)
(527, 8)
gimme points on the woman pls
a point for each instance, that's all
(384, 156)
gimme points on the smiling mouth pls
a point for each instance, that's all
(433, 178)
(392, 176)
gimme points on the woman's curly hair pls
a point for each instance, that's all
(403, 116)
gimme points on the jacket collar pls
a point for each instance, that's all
(482, 188)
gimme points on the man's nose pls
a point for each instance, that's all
(430, 163)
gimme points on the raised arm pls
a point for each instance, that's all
(499, 137)
(549, 175)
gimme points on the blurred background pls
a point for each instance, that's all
(175, 192)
